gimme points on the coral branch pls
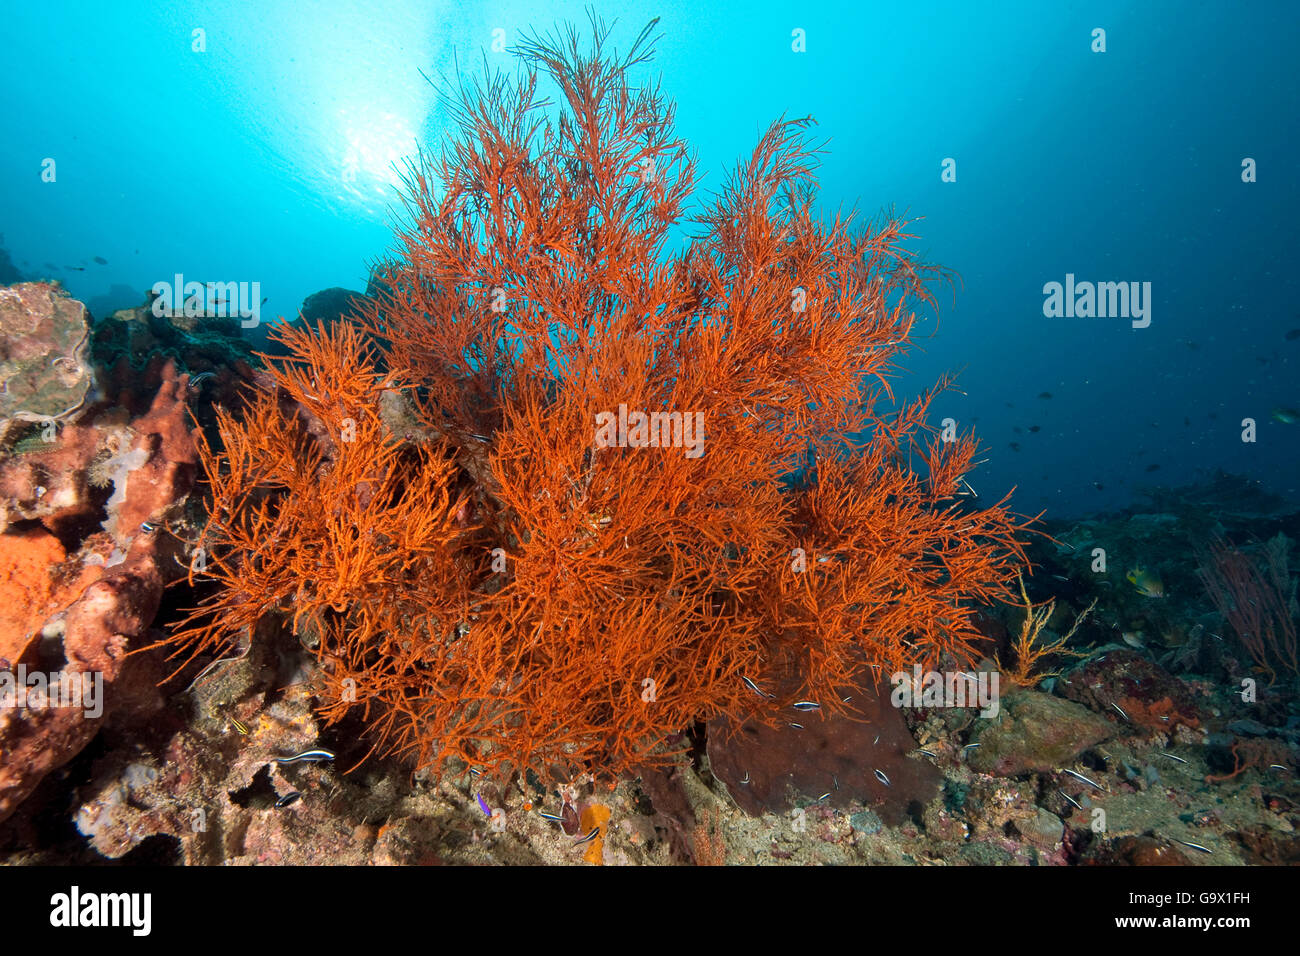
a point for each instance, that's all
(1029, 646)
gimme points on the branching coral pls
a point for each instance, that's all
(1257, 597)
(1031, 648)
(500, 584)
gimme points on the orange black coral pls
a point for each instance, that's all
(495, 584)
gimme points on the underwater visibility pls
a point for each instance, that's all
(649, 434)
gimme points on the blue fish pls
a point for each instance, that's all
(307, 756)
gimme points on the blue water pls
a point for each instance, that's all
(269, 157)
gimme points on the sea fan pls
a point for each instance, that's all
(490, 568)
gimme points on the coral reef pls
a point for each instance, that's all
(85, 552)
(133, 341)
(451, 595)
(494, 581)
(1128, 686)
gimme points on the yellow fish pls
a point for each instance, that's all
(1148, 583)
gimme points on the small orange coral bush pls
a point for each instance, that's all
(480, 568)
(1031, 647)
